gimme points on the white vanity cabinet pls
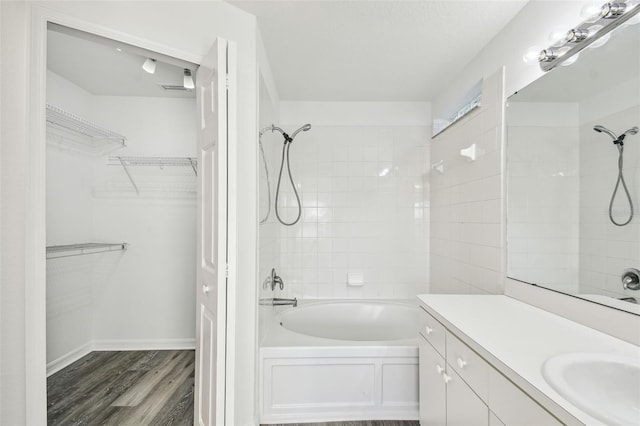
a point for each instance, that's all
(459, 387)
(445, 399)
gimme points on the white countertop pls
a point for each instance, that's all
(517, 338)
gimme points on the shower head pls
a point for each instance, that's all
(304, 128)
(631, 131)
(601, 129)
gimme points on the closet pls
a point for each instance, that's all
(121, 199)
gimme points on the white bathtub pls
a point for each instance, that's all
(341, 360)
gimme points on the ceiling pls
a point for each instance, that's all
(373, 50)
(105, 67)
(319, 50)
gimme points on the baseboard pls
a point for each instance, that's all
(68, 358)
(143, 344)
(118, 345)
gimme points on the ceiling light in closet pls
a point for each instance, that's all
(149, 65)
(188, 80)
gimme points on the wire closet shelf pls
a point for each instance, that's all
(132, 161)
(70, 131)
(68, 250)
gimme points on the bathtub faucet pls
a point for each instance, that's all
(276, 301)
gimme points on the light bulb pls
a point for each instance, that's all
(570, 60)
(531, 55)
(601, 41)
(556, 36)
(591, 12)
(188, 80)
(149, 65)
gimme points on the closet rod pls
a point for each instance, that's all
(68, 250)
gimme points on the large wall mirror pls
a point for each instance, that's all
(561, 175)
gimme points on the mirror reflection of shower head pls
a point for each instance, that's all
(619, 142)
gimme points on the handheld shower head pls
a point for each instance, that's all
(631, 131)
(304, 128)
(601, 129)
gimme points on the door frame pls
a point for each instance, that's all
(35, 230)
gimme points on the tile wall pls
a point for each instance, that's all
(466, 241)
(606, 250)
(365, 216)
(543, 193)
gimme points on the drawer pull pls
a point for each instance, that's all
(428, 330)
(446, 378)
(439, 369)
(461, 363)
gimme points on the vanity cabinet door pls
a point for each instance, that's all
(433, 400)
(464, 407)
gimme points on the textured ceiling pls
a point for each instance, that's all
(367, 50)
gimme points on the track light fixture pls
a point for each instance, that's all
(589, 33)
(188, 80)
(149, 65)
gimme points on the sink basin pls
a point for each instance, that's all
(605, 386)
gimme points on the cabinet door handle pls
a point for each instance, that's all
(446, 377)
(439, 369)
(428, 330)
(461, 363)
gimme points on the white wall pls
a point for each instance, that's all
(466, 200)
(531, 27)
(362, 174)
(69, 221)
(23, 353)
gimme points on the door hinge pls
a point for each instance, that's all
(227, 81)
(226, 270)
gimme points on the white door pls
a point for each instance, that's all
(211, 292)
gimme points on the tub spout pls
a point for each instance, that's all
(276, 301)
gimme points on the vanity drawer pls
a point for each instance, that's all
(433, 331)
(469, 365)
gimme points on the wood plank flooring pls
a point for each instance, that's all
(124, 388)
(357, 423)
(136, 388)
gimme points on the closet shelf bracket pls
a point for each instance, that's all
(126, 162)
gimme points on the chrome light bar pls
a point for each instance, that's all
(611, 16)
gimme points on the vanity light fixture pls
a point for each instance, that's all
(548, 55)
(589, 33)
(188, 80)
(149, 65)
(576, 35)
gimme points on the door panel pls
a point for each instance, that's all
(211, 291)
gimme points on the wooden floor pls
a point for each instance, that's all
(124, 388)
(136, 388)
(358, 423)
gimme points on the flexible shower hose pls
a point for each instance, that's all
(615, 190)
(285, 153)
